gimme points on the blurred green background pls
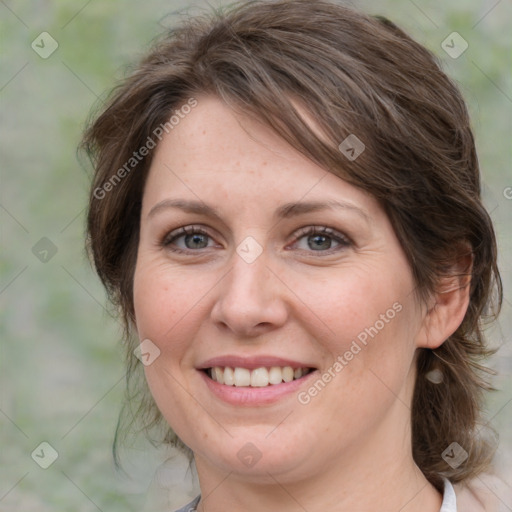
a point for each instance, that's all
(61, 373)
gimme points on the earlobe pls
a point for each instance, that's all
(448, 306)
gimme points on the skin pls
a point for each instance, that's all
(349, 447)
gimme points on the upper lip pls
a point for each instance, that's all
(250, 363)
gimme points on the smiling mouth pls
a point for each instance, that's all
(257, 378)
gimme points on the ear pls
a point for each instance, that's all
(447, 308)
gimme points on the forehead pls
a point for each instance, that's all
(217, 138)
(215, 153)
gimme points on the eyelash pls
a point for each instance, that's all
(341, 239)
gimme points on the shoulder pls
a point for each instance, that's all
(486, 493)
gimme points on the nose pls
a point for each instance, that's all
(251, 299)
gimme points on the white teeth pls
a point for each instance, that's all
(229, 376)
(275, 375)
(242, 377)
(218, 375)
(258, 378)
(287, 373)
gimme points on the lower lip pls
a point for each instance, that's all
(250, 396)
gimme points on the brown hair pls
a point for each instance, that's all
(353, 74)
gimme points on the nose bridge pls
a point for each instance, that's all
(249, 297)
(249, 278)
(249, 274)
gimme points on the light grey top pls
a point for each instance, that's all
(191, 507)
(449, 500)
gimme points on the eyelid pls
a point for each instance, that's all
(311, 230)
(316, 229)
(336, 235)
(169, 237)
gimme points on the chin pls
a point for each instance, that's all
(258, 458)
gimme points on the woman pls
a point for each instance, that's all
(286, 208)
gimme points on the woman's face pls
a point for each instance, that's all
(284, 271)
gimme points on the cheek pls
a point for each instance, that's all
(170, 303)
(160, 295)
(371, 371)
(368, 320)
(166, 308)
(353, 302)
(154, 309)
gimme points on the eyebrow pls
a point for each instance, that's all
(285, 211)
